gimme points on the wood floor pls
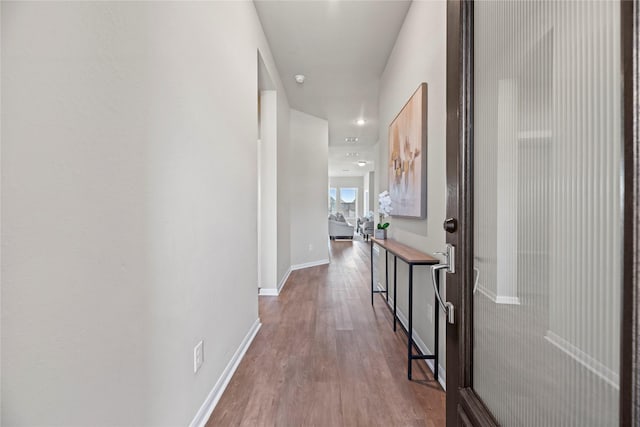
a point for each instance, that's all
(325, 357)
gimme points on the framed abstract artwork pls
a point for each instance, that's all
(408, 158)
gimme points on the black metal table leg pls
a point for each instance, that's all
(436, 323)
(376, 287)
(410, 328)
(386, 272)
(395, 269)
(410, 341)
(372, 272)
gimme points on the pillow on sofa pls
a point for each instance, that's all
(340, 217)
(332, 217)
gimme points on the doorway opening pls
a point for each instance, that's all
(267, 180)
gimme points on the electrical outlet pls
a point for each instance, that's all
(198, 356)
(430, 312)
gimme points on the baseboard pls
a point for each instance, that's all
(284, 280)
(205, 411)
(310, 264)
(593, 365)
(442, 374)
(270, 292)
(507, 300)
(498, 299)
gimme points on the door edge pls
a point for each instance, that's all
(475, 409)
(630, 321)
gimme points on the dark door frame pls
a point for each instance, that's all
(464, 407)
(630, 339)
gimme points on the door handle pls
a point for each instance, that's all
(447, 307)
(450, 258)
(449, 266)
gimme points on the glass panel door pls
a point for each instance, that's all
(547, 217)
(349, 204)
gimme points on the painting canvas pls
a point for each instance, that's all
(408, 158)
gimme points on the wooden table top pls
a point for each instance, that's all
(404, 252)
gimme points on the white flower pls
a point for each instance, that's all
(384, 204)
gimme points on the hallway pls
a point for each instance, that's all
(325, 357)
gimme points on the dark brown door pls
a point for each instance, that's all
(542, 206)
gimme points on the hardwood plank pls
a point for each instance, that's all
(325, 357)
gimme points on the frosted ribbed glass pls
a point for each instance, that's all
(547, 155)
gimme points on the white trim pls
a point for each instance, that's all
(284, 280)
(498, 299)
(309, 264)
(595, 366)
(209, 404)
(442, 375)
(268, 292)
(259, 210)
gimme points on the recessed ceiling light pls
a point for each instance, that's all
(362, 163)
(299, 78)
(361, 122)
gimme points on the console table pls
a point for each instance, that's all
(412, 257)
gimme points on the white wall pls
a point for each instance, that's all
(349, 182)
(419, 55)
(369, 185)
(284, 190)
(275, 255)
(367, 181)
(128, 127)
(309, 154)
(268, 148)
(276, 228)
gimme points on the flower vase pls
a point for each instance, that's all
(380, 233)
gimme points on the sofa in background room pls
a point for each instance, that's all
(339, 227)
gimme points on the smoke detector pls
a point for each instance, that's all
(299, 78)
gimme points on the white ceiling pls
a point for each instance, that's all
(343, 161)
(342, 48)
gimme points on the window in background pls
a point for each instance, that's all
(332, 201)
(348, 203)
